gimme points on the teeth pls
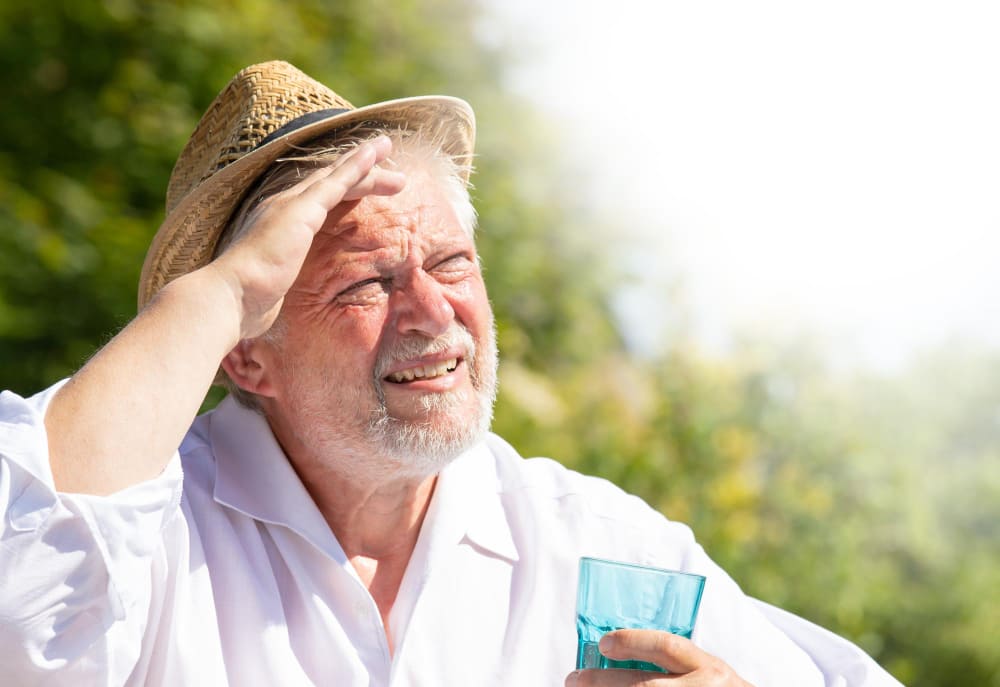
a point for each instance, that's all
(424, 371)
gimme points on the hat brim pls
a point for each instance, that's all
(187, 238)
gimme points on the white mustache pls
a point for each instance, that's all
(457, 337)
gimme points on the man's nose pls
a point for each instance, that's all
(422, 307)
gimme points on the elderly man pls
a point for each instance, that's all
(344, 517)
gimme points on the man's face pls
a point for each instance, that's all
(386, 349)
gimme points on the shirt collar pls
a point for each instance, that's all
(468, 504)
(253, 476)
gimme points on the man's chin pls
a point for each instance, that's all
(435, 433)
(421, 407)
(431, 440)
(425, 433)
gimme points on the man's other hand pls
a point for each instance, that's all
(686, 663)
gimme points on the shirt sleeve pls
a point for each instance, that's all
(74, 568)
(769, 646)
(843, 664)
(730, 626)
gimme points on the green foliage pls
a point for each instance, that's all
(867, 504)
(101, 97)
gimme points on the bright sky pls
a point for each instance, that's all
(827, 165)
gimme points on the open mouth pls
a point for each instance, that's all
(429, 371)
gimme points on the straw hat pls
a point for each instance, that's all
(264, 111)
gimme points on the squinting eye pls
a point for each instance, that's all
(455, 262)
(362, 284)
(366, 287)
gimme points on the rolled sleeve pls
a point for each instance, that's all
(74, 568)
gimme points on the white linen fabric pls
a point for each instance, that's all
(229, 575)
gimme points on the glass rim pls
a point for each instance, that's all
(639, 566)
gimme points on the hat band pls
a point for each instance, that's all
(299, 122)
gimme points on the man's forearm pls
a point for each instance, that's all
(121, 417)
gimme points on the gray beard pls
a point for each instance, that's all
(385, 448)
(419, 448)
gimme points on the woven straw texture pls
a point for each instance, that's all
(223, 157)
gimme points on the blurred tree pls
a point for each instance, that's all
(102, 95)
(867, 504)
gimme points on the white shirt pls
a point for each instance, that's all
(230, 575)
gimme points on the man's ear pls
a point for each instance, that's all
(248, 365)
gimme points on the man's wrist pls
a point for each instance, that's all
(211, 302)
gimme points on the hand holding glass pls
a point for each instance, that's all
(616, 596)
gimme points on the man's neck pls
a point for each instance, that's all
(378, 522)
(377, 529)
(376, 517)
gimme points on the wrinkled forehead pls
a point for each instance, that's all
(420, 215)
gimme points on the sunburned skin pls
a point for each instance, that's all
(387, 322)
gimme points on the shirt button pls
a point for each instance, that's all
(361, 609)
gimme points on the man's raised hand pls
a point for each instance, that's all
(261, 265)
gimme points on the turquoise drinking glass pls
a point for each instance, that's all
(615, 596)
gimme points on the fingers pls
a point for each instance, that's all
(352, 177)
(669, 651)
(616, 678)
(378, 182)
(686, 663)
